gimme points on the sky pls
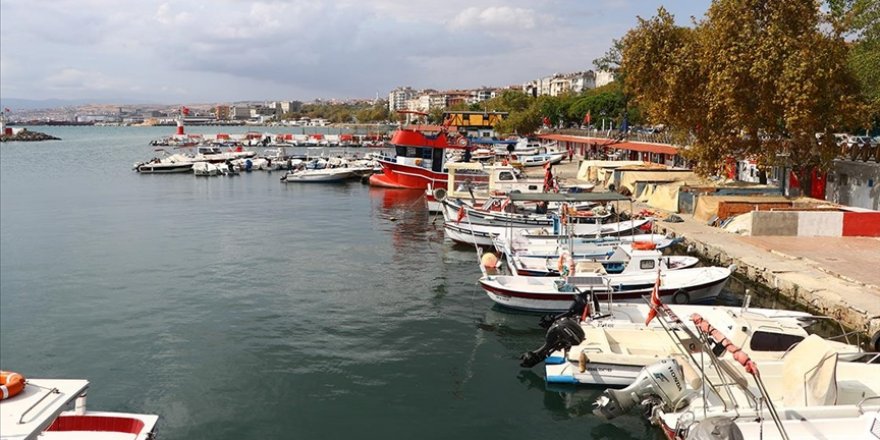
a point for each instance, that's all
(236, 50)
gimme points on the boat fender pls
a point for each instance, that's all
(11, 383)
(681, 297)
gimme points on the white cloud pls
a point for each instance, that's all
(495, 17)
(168, 16)
(299, 49)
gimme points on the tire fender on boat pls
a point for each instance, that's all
(440, 194)
(681, 297)
(11, 383)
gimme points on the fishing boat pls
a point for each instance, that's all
(56, 408)
(551, 294)
(617, 258)
(206, 169)
(614, 344)
(812, 392)
(175, 163)
(420, 157)
(541, 159)
(461, 231)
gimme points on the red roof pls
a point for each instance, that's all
(625, 145)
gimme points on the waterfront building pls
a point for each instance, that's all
(221, 112)
(239, 112)
(398, 98)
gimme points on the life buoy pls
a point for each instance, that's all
(11, 383)
(681, 297)
(644, 245)
(439, 194)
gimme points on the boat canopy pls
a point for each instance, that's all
(568, 197)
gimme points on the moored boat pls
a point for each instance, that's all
(547, 294)
(420, 158)
(56, 408)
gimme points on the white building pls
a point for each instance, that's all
(398, 97)
(480, 95)
(559, 84)
(604, 77)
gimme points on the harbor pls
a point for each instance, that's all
(230, 220)
(399, 308)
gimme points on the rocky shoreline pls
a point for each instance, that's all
(27, 136)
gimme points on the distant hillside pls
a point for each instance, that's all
(31, 104)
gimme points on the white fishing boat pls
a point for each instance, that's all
(635, 256)
(813, 392)
(207, 169)
(616, 343)
(553, 294)
(541, 159)
(175, 163)
(462, 231)
(56, 409)
(325, 175)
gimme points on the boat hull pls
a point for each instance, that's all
(160, 168)
(401, 176)
(541, 299)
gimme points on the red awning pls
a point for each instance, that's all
(646, 147)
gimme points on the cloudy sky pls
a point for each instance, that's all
(228, 50)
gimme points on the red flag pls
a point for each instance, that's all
(587, 118)
(655, 299)
(546, 121)
(461, 214)
(185, 111)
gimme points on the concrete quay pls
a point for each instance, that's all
(833, 276)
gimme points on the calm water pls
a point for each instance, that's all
(246, 308)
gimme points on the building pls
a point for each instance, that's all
(604, 77)
(398, 98)
(221, 112)
(480, 95)
(239, 112)
(562, 83)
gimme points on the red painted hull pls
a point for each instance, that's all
(395, 175)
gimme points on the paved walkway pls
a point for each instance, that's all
(835, 276)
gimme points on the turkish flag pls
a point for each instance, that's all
(587, 118)
(655, 299)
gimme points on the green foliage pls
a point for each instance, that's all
(754, 78)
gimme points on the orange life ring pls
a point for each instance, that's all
(11, 383)
(644, 245)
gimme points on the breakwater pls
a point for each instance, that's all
(25, 135)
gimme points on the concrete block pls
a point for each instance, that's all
(774, 223)
(820, 224)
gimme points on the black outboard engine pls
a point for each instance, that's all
(562, 335)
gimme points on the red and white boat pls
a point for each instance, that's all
(420, 160)
(56, 408)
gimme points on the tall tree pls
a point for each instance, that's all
(755, 77)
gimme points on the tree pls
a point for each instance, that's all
(755, 78)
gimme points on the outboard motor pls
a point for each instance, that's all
(663, 379)
(562, 335)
